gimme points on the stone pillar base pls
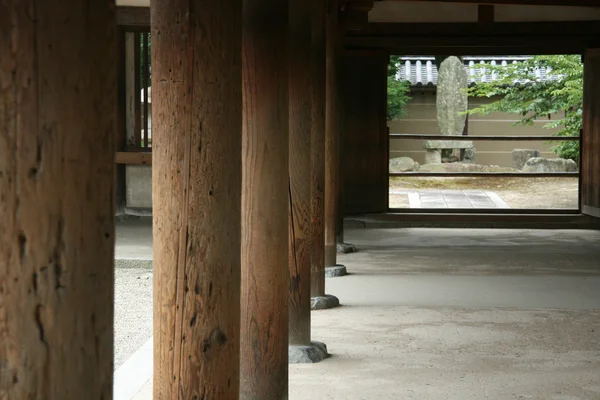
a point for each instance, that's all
(346, 248)
(314, 353)
(324, 302)
(335, 271)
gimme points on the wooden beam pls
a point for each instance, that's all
(133, 16)
(576, 29)
(265, 200)
(58, 97)
(196, 192)
(133, 158)
(547, 49)
(582, 3)
(472, 38)
(485, 13)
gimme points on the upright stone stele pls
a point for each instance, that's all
(452, 99)
(451, 102)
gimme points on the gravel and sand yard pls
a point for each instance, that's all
(523, 193)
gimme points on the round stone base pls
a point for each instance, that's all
(345, 248)
(324, 302)
(336, 270)
(314, 353)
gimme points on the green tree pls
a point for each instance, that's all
(397, 91)
(531, 97)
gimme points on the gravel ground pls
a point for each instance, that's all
(526, 193)
(133, 311)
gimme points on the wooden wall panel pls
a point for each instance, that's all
(364, 159)
(590, 162)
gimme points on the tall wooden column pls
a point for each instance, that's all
(301, 350)
(319, 300)
(332, 138)
(265, 201)
(590, 161)
(332, 127)
(57, 162)
(197, 101)
(318, 80)
(300, 122)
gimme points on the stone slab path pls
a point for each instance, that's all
(452, 198)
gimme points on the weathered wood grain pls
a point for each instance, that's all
(197, 136)
(265, 201)
(318, 79)
(590, 161)
(300, 122)
(58, 92)
(332, 131)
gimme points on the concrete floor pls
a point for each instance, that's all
(457, 314)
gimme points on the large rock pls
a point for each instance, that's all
(520, 156)
(463, 167)
(403, 164)
(470, 156)
(448, 144)
(451, 97)
(433, 156)
(540, 165)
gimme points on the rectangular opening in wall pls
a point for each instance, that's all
(499, 133)
(138, 91)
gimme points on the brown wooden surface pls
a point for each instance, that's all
(300, 122)
(133, 16)
(590, 162)
(134, 158)
(197, 198)
(476, 38)
(265, 201)
(364, 134)
(318, 82)
(587, 3)
(58, 92)
(332, 130)
(485, 13)
(481, 32)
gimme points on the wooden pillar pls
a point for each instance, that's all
(332, 132)
(300, 123)
(590, 153)
(265, 201)
(57, 169)
(318, 80)
(366, 139)
(197, 127)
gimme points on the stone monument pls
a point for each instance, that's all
(452, 101)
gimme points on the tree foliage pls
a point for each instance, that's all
(525, 93)
(397, 91)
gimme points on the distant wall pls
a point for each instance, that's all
(138, 186)
(420, 118)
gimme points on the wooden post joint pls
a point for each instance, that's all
(355, 13)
